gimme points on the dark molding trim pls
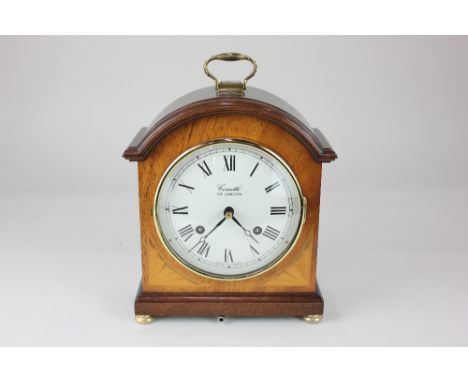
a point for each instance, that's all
(255, 103)
(231, 304)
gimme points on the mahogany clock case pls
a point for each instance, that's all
(168, 288)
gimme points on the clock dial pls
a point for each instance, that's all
(228, 209)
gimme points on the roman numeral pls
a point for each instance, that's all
(228, 256)
(272, 187)
(253, 250)
(254, 169)
(190, 188)
(204, 167)
(186, 232)
(277, 210)
(230, 162)
(204, 249)
(271, 233)
(180, 211)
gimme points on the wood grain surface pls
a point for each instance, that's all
(162, 272)
(230, 304)
(255, 102)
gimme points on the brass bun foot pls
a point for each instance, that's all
(144, 319)
(313, 318)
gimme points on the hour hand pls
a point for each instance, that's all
(246, 231)
(249, 234)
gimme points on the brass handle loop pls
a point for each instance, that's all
(231, 86)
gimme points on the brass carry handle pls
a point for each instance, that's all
(230, 86)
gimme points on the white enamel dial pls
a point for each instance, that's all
(228, 209)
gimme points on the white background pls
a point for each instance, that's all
(392, 247)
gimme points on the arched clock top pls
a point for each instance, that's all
(206, 102)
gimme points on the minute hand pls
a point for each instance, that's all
(216, 226)
(246, 231)
(203, 238)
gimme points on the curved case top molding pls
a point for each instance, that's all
(205, 102)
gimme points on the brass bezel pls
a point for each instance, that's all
(269, 266)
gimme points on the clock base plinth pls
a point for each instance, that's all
(308, 305)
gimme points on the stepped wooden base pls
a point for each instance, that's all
(225, 304)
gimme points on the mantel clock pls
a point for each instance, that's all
(229, 193)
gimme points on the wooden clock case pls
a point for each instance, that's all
(290, 287)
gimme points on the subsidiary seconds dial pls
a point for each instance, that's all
(228, 209)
